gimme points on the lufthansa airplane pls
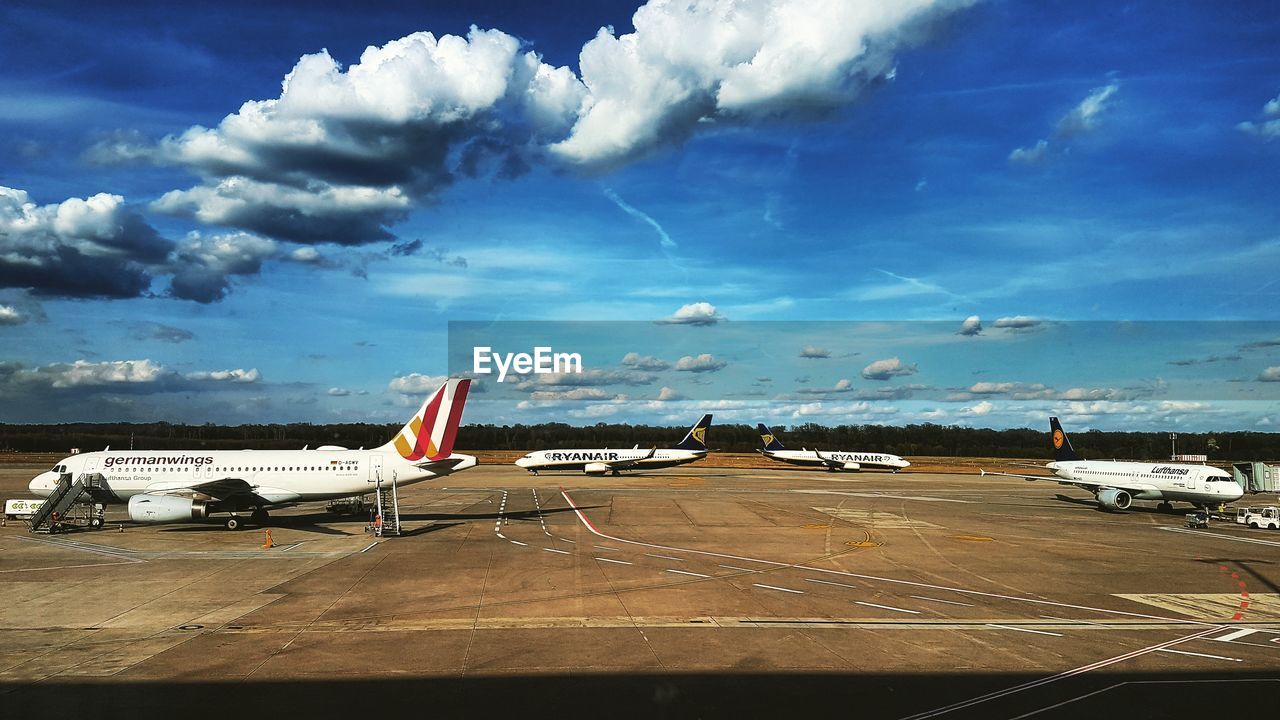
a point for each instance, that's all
(600, 462)
(1117, 484)
(185, 485)
(832, 461)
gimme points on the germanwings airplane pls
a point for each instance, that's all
(599, 462)
(184, 485)
(1117, 484)
(832, 461)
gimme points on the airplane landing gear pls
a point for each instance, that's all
(1165, 507)
(233, 523)
(259, 516)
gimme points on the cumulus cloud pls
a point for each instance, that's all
(645, 362)
(1085, 116)
(667, 394)
(971, 326)
(1017, 323)
(1271, 374)
(416, 383)
(814, 353)
(344, 152)
(699, 313)
(203, 266)
(238, 375)
(1268, 125)
(339, 392)
(90, 247)
(887, 368)
(701, 364)
(10, 315)
(982, 408)
(574, 394)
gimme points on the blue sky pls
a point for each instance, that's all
(182, 239)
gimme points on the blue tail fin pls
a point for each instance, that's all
(1061, 445)
(696, 438)
(767, 437)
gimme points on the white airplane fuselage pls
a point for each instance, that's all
(1200, 485)
(279, 476)
(584, 460)
(851, 460)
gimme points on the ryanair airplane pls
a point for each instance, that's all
(1117, 484)
(832, 461)
(600, 462)
(185, 485)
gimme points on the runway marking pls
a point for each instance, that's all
(69, 567)
(1220, 536)
(666, 557)
(922, 498)
(562, 552)
(686, 572)
(830, 582)
(517, 542)
(287, 548)
(949, 602)
(575, 542)
(874, 518)
(606, 547)
(504, 537)
(1211, 606)
(1060, 676)
(780, 589)
(735, 567)
(888, 607)
(371, 546)
(1235, 635)
(1026, 630)
(1203, 655)
(619, 562)
(877, 578)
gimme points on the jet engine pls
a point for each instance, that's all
(166, 508)
(851, 466)
(596, 468)
(1114, 499)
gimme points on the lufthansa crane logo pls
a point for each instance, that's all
(1057, 439)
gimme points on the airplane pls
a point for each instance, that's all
(600, 462)
(185, 485)
(832, 461)
(1116, 484)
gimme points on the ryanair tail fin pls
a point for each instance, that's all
(430, 433)
(767, 437)
(1061, 445)
(696, 438)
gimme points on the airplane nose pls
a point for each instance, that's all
(39, 484)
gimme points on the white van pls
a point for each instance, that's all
(21, 508)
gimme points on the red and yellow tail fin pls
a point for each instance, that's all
(430, 433)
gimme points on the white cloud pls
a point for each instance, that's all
(577, 394)
(982, 408)
(338, 392)
(700, 364)
(1271, 374)
(1030, 155)
(10, 315)
(1017, 323)
(699, 313)
(594, 377)
(202, 266)
(667, 394)
(238, 375)
(887, 368)
(644, 362)
(811, 352)
(416, 383)
(1085, 116)
(83, 373)
(971, 326)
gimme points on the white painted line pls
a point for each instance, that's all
(686, 572)
(830, 582)
(1025, 630)
(606, 547)
(782, 589)
(888, 607)
(504, 537)
(735, 567)
(575, 542)
(616, 562)
(370, 547)
(562, 552)
(1203, 655)
(1219, 536)
(1234, 635)
(949, 602)
(518, 542)
(665, 557)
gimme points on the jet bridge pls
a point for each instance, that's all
(1257, 477)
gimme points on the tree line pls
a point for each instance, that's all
(924, 439)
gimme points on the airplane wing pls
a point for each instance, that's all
(628, 464)
(223, 489)
(833, 464)
(1092, 487)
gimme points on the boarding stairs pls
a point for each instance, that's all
(57, 507)
(388, 518)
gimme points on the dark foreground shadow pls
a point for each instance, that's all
(703, 695)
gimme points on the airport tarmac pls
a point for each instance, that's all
(694, 592)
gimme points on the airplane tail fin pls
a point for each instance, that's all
(696, 438)
(430, 433)
(767, 437)
(1062, 449)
